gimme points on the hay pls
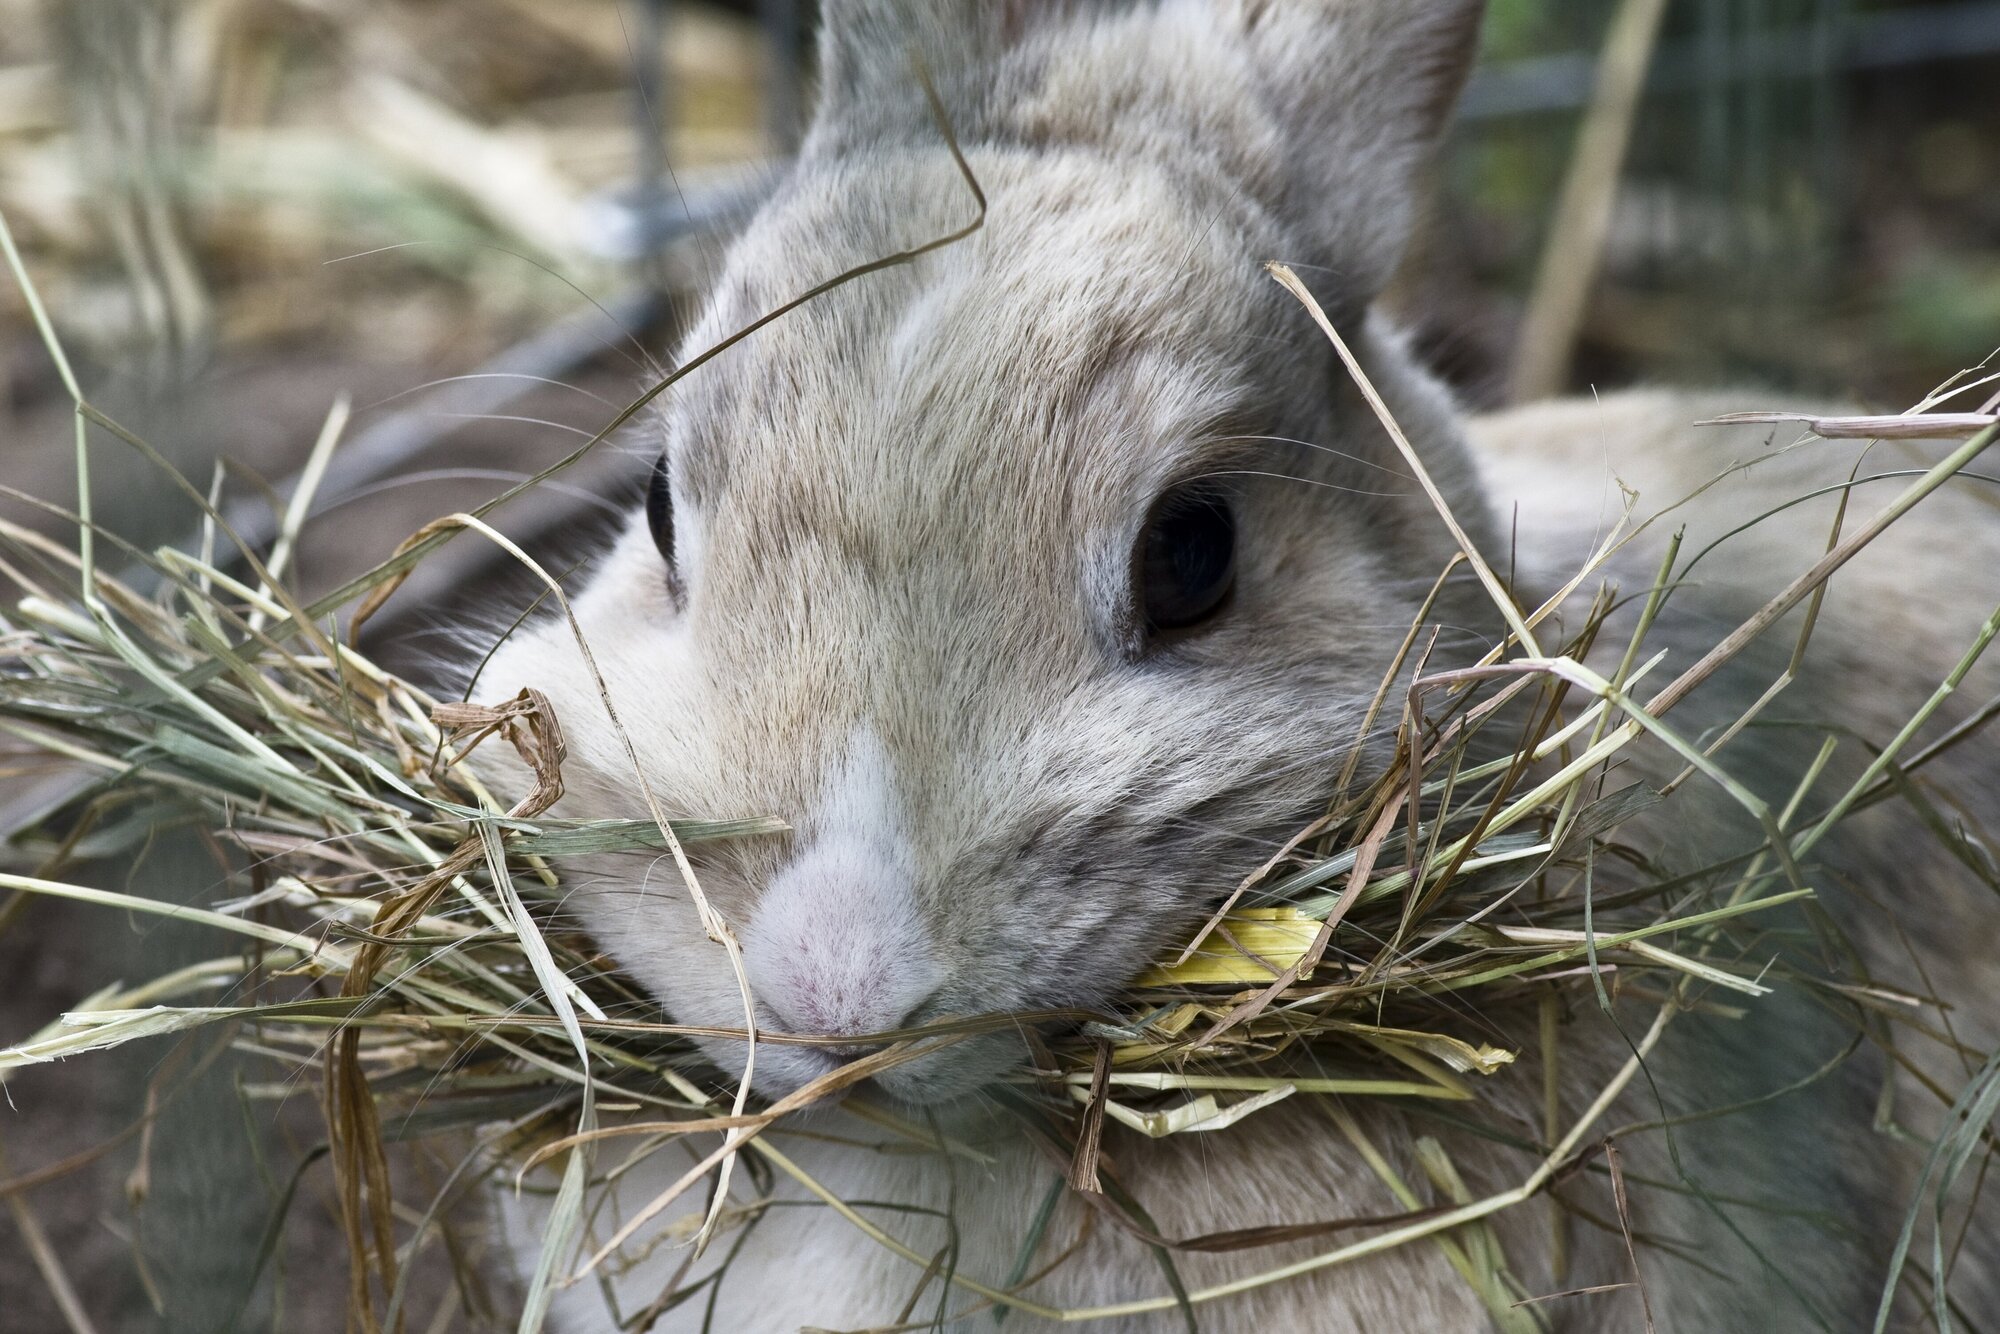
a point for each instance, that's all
(398, 950)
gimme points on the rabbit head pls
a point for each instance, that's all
(1041, 581)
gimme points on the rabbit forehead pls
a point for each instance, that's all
(1102, 320)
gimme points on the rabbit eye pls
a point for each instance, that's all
(1185, 564)
(660, 510)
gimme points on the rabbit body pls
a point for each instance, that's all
(894, 603)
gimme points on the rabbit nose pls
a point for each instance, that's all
(838, 946)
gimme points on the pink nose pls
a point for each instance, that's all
(853, 981)
(838, 946)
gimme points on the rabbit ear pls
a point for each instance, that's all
(875, 54)
(1323, 111)
(1361, 92)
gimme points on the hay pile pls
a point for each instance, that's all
(393, 947)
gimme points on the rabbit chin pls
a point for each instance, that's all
(937, 1081)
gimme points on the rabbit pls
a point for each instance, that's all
(1040, 583)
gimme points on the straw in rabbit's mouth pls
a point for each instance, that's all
(426, 944)
(401, 941)
(923, 1074)
(1454, 883)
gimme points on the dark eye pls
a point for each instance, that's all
(1186, 560)
(660, 510)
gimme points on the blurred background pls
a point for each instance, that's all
(464, 228)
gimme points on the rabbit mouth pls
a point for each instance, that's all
(952, 1074)
(923, 1074)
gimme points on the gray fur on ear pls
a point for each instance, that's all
(1364, 90)
(1319, 111)
(870, 52)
